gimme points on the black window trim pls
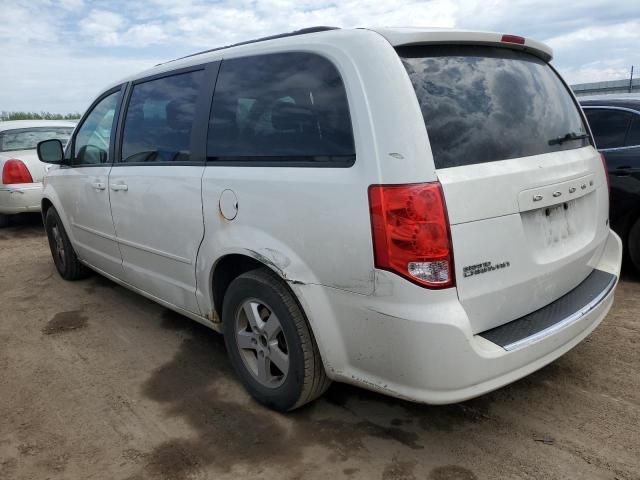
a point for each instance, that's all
(71, 145)
(623, 109)
(297, 161)
(200, 121)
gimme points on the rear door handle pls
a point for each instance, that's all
(119, 186)
(98, 185)
(622, 171)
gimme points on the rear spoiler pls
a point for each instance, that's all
(415, 36)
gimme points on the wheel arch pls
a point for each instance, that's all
(624, 224)
(226, 269)
(45, 205)
(233, 264)
(50, 200)
(630, 235)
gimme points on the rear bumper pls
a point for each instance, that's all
(20, 198)
(557, 315)
(426, 351)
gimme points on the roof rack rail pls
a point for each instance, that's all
(302, 31)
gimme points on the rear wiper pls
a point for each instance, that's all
(567, 138)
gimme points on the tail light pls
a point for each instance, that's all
(411, 235)
(512, 39)
(15, 171)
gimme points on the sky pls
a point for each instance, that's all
(56, 55)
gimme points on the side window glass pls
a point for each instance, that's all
(91, 145)
(608, 126)
(633, 137)
(285, 107)
(157, 126)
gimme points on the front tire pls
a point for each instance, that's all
(633, 245)
(269, 342)
(64, 256)
(4, 220)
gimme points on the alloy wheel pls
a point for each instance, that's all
(58, 245)
(261, 343)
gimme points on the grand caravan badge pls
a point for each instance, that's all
(483, 267)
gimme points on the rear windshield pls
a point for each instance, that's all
(28, 138)
(482, 104)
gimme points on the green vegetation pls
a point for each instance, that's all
(4, 116)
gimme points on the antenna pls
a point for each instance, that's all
(631, 80)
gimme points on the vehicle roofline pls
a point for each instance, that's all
(396, 36)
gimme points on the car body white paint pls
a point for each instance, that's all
(24, 197)
(312, 227)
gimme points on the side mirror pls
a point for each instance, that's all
(51, 151)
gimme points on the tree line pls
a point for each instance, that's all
(5, 116)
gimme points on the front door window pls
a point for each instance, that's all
(91, 145)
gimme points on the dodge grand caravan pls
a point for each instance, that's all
(418, 212)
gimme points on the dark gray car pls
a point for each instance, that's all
(615, 123)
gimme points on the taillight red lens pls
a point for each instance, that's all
(15, 171)
(411, 235)
(513, 39)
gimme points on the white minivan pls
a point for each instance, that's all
(420, 212)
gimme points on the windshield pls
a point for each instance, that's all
(482, 104)
(28, 138)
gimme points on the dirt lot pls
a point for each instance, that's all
(97, 382)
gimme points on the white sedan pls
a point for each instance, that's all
(21, 171)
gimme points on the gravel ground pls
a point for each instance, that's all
(98, 382)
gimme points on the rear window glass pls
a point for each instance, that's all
(284, 108)
(482, 104)
(28, 138)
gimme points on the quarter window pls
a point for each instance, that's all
(91, 145)
(608, 126)
(159, 119)
(283, 108)
(633, 137)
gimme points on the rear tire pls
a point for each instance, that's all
(4, 220)
(64, 256)
(633, 245)
(270, 343)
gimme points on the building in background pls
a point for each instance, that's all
(600, 88)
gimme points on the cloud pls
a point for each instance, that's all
(67, 50)
(145, 35)
(597, 53)
(58, 79)
(71, 4)
(22, 24)
(102, 27)
(229, 22)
